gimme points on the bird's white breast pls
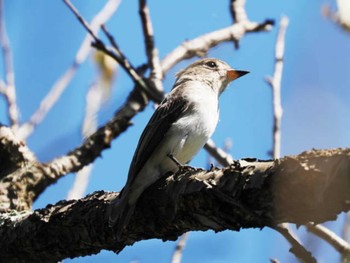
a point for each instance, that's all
(189, 134)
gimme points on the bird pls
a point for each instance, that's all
(180, 126)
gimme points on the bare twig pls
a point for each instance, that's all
(156, 75)
(178, 252)
(341, 17)
(115, 53)
(94, 101)
(9, 91)
(220, 155)
(199, 46)
(346, 228)
(330, 237)
(80, 184)
(82, 20)
(297, 249)
(238, 12)
(275, 83)
(127, 66)
(62, 83)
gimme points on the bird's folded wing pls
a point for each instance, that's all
(165, 115)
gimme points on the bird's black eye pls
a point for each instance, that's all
(211, 64)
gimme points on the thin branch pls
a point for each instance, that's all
(82, 20)
(62, 83)
(297, 249)
(101, 139)
(220, 155)
(94, 101)
(127, 66)
(156, 75)
(330, 237)
(81, 183)
(341, 17)
(179, 249)
(115, 53)
(10, 88)
(275, 83)
(199, 46)
(238, 12)
(346, 228)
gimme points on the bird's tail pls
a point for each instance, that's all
(120, 212)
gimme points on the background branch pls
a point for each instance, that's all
(275, 83)
(9, 89)
(330, 237)
(62, 83)
(179, 249)
(156, 75)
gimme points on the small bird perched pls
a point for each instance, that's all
(178, 129)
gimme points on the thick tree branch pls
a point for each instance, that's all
(313, 186)
(14, 154)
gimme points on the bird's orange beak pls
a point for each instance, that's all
(235, 74)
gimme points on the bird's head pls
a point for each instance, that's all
(214, 72)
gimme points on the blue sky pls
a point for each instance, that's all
(45, 36)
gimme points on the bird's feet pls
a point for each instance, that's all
(181, 167)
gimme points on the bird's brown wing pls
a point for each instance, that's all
(165, 115)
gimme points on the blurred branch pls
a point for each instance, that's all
(275, 83)
(238, 12)
(341, 17)
(178, 252)
(156, 75)
(8, 88)
(115, 53)
(62, 83)
(330, 237)
(95, 98)
(199, 46)
(297, 249)
(346, 227)
(153, 93)
(220, 155)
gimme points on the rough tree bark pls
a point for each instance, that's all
(310, 187)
